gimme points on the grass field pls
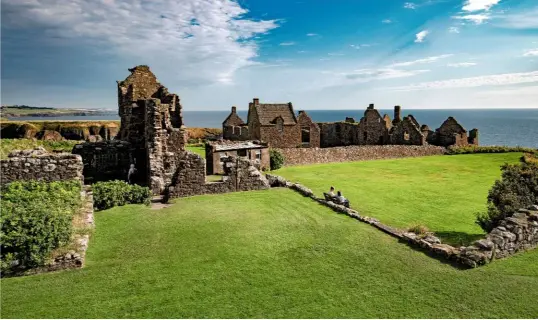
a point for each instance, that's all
(264, 254)
(8, 145)
(440, 192)
(198, 150)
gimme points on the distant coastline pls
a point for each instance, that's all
(16, 111)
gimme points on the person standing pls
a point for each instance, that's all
(132, 174)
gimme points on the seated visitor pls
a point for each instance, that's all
(329, 196)
(342, 200)
(331, 192)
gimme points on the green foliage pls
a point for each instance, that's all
(518, 188)
(36, 218)
(118, 193)
(487, 149)
(276, 159)
(8, 145)
(530, 157)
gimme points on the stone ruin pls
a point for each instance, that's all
(277, 125)
(38, 164)
(152, 136)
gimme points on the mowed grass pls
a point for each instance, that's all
(198, 150)
(264, 254)
(443, 193)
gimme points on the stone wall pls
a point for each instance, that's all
(239, 175)
(406, 132)
(313, 135)
(301, 156)
(336, 134)
(288, 137)
(106, 160)
(38, 164)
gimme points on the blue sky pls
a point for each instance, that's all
(340, 54)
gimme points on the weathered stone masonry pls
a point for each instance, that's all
(302, 156)
(40, 165)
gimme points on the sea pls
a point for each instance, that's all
(500, 127)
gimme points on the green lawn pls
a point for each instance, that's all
(198, 150)
(264, 254)
(440, 192)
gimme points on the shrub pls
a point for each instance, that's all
(118, 193)
(517, 188)
(530, 157)
(419, 229)
(276, 159)
(487, 149)
(36, 218)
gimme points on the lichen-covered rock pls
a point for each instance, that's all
(302, 190)
(276, 181)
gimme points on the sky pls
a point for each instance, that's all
(317, 54)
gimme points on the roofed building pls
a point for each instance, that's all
(217, 151)
(273, 123)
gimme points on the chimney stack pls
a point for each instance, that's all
(397, 115)
(234, 109)
(371, 106)
(256, 101)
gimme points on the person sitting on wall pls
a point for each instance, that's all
(342, 200)
(329, 196)
(132, 174)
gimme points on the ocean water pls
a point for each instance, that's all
(510, 127)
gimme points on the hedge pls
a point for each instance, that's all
(487, 149)
(118, 193)
(36, 218)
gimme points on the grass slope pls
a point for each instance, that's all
(440, 192)
(265, 254)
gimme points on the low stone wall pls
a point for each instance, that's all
(516, 233)
(301, 156)
(38, 164)
(239, 175)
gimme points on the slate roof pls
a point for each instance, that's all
(268, 112)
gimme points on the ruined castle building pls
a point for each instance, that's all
(373, 128)
(406, 132)
(273, 123)
(451, 133)
(152, 122)
(233, 127)
(397, 115)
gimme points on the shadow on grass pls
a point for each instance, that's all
(458, 239)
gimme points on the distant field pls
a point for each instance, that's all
(198, 150)
(264, 254)
(440, 192)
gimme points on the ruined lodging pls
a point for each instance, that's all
(152, 137)
(216, 151)
(274, 123)
(277, 125)
(38, 164)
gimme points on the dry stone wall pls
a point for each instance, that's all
(38, 164)
(301, 156)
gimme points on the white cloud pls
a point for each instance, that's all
(365, 75)
(410, 5)
(454, 30)
(490, 80)
(521, 20)
(289, 43)
(312, 34)
(461, 64)
(528, 90)
(478, 5)
(387, 21)
(531, 53)
(476, 18)
(208, 41)
(421, 61)
(421, 35)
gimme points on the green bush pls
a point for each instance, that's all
(118, 193)
(487, 149)
(517, 188)
(276, 159)
(36, 218)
